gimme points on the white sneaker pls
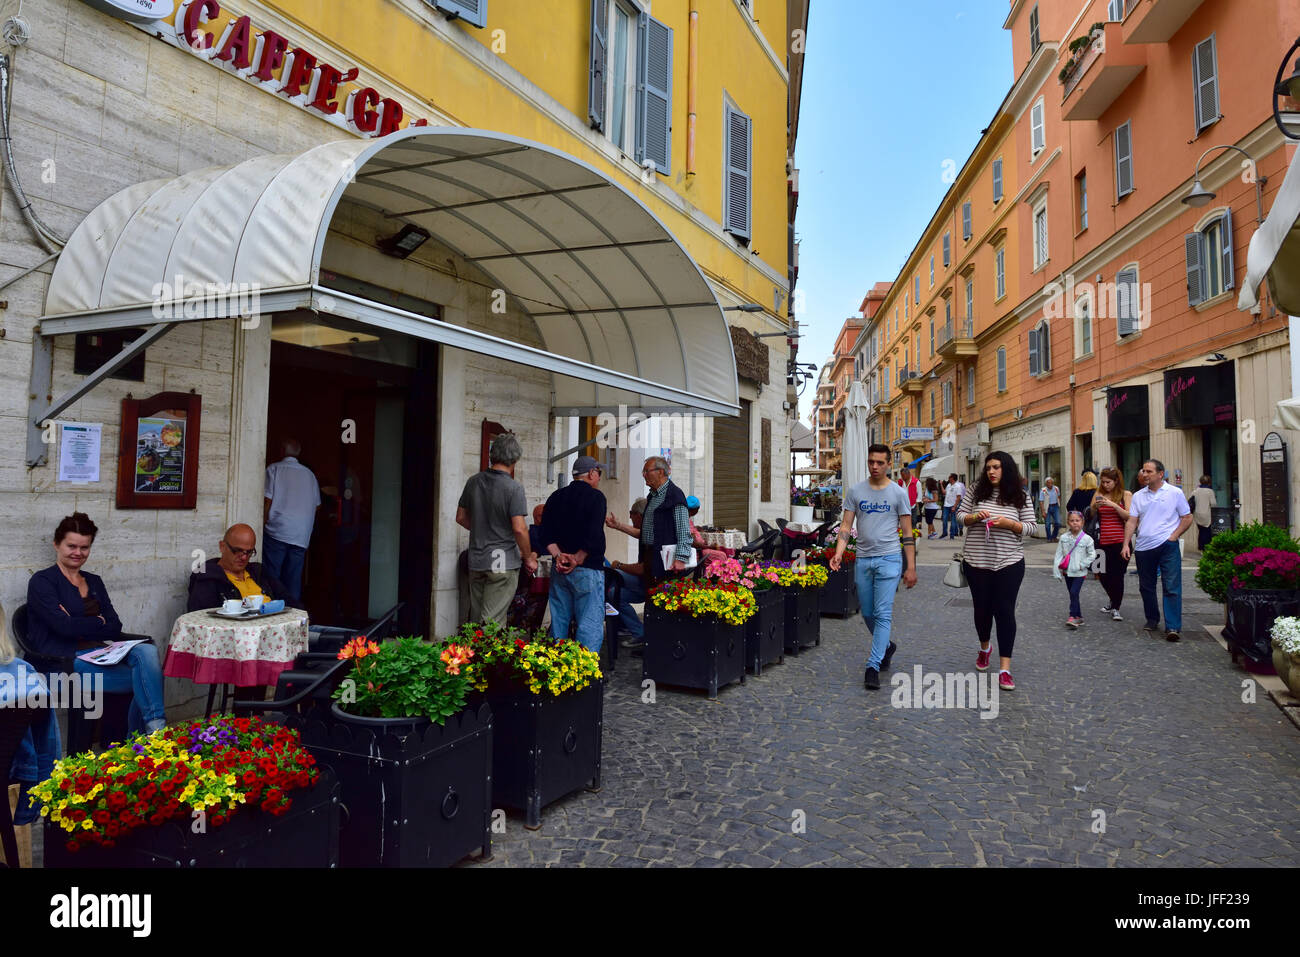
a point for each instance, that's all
(1106, 609)
(1115, 615)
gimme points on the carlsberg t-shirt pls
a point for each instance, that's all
(877, 512)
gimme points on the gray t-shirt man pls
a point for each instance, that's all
(492, 498)
(876, 513)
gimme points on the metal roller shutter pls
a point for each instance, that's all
(731, 470)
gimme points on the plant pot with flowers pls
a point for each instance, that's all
(800, 582)
(839, 596)
(1265, 585)
(1285, 638)
(695, 633)
(222, 792)
(765, 629)
(414, 762)
(547, 700)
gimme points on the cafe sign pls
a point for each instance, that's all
(135, 11)
(1200, 396)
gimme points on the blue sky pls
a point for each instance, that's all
(891, 90)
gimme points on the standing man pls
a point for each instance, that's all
(1159, 515)
(666, 522)
(952, 496)
(1049, 496)
(1200, 502)
(881, 511)
(493, 507)
(573, 531)
(289, 514)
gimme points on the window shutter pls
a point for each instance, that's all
(965, 221)
(473, 12)
(1123, 161)
(1115, 10)
(1205, 76)
(947, 249)
(1034, 42)
(738, 174)
(1125, 293)
(1039, 139)
(997, 181)
(1002, 370)
(1033, 352)
(599, 58)
(1195, 244)
(917, 292)
(654, 143)
(1225, 236)
(1045, 347)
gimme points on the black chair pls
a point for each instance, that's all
(614, 597)
(112, 724)
(781, 523)
(764, 526)
(310, 683)
(761, 545)
(14, 722)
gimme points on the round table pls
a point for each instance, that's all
(212, 650)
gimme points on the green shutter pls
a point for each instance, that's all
(654, 142)
(599, 61)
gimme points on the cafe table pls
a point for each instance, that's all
(728, 539)
(212, 650)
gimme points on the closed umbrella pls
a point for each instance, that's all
(853, 464)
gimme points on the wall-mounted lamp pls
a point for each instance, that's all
(1218, 357)
(745, 307)
(407, 241)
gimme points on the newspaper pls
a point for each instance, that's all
(111, 653)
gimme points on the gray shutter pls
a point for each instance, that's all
(1033, 352)
(1002, 370)
(1205, 76)
(1195, 245)
(1045, 347)
(1125, 294)
(965, 221)
(1123, 161)
(997, 180)
(1225, 235)
(473, 12)
(947, 249)
(736, 193)
(599, 61)
(654, 142)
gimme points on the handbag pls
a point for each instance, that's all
(955, 576)
(1064, 563)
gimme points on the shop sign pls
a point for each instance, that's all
(916, 434)
(277, 65)
(1275, 489)
(1127, 412)
(136, 11)
(1200, 396)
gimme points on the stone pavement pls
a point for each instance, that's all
(1109, 728)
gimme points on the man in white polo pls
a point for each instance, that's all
(292, 497)
(1159, 515)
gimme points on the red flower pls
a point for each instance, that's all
(100, 817)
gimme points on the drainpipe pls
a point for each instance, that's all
(692, 82)
(1074, 470)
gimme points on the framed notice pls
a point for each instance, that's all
(158, 451)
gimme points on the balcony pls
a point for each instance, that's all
(957, 341)
(910, 381)
(1155, 21)
(1103, 71)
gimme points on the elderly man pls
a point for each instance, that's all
(292, 497)
(1049, 496)
(493, 507)
(234, 574)
(667, 521)
(574, 534)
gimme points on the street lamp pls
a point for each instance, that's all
(745, 307)
(1286, 86)
(1200, 196)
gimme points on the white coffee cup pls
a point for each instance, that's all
(255, 602)
(232, 606)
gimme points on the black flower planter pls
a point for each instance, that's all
(765, 631)
(416, 794)
(839, 596)
(803, 625)
(544, 746)
(308, 836)
(1250, 617)
(693, 652)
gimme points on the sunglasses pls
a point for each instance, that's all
(250, 552)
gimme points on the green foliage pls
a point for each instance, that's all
(406, 678)
(1215, 570)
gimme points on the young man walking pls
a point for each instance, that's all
(1159, 515)
(882, 513)
(952, 496)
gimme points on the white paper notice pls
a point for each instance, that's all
(79, 452)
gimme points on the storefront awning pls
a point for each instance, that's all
(1275, 249)
(624, 314)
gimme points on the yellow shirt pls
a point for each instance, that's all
(247, 587)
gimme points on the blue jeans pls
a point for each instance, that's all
(579, 596)
(1052, 518)
(633, 592)
(1075, 585)
(283, 562)
(877, 580)
(1167, 561)
(139, 674)
(40, 746)
(951, 527)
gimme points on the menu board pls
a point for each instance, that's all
(158, 451)
(160, 455)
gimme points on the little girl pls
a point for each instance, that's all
(1075, 553)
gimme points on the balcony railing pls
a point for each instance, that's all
(903, 376)
(957, 338)
(1096, 77)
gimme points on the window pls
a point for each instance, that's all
(965, 220)
(473, 12)
(1081, 192)
(947, 399)
(1115, 11)
(970, 385)
(736, 187)
(1037, 135)
(1127, 302)
(931, 272)
(1040, 234)
(931, 337)
(629, 88)
(916, 293)
(1034, 41)
(970, 300)
(947, 314)
(1000, 268)
(1123, 161)
(932, 407)
(1002, 368)
(1040, 352)
(1205, 83)
(907, 417)
(1082, 328)
(907, 307)
(947, 250)
(1209, 259)
(997, 181)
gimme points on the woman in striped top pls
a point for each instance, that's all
(1111, 504)
(994, 559)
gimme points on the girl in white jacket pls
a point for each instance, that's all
(1075, 553)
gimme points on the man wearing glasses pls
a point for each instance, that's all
(234, 574)
(666, 522)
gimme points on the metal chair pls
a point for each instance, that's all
(761, 545)
(14, 722)
(330, 639)
(764, 526)
(309, 683)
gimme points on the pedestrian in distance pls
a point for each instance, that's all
(1157, 519)
(994, 558)
(952, 496)
(1081, 498)
(1075, 553)
(1110, 504)
(1049, 497)
(1200, 502)
(932, 500)
(882, 514)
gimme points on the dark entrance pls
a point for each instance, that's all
(363, 405)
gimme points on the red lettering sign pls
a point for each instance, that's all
(198, 12)
(270, 54)
(299, 68)
(390, 116)
(238, 38)
(360, 111)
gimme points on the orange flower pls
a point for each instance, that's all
(346, 651)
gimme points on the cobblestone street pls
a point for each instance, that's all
(801, 766)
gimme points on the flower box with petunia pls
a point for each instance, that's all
(721, 602)
(508, 658)
(695, 633)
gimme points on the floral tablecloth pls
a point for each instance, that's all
(212, 650)
(728, 539)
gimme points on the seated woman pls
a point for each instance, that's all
(68, 612)
(40, 746)
(706, 554)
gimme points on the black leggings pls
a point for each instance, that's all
(1112, 579)
(994, 595)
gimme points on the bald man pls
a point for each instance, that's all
(234, 574)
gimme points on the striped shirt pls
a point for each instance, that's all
(999, 547)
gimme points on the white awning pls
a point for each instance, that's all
(624, 314)
(937, 468)
(1275, 249)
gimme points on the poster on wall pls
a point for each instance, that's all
(158, 452)
(79, 445)
(160, 455)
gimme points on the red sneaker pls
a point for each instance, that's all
(982, 661)
(1005, 681)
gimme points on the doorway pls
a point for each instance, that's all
(1219, 461)
(1131, 456)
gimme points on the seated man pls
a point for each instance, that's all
(535, 530)
(234, 574)
(633, 576)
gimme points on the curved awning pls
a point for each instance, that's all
(624, 313)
